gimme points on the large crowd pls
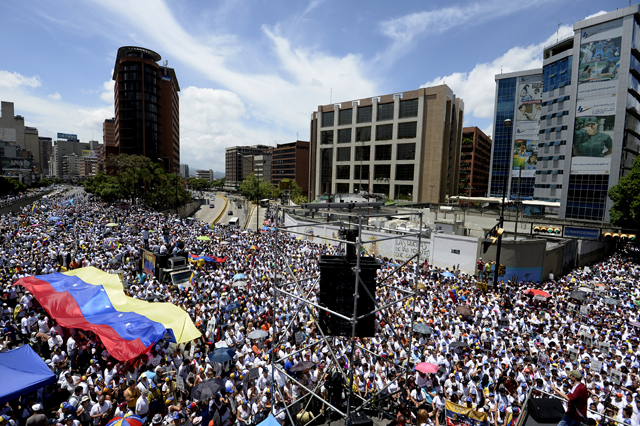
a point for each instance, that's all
(512, 343)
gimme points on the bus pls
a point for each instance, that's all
(234, 222)
(264, 203)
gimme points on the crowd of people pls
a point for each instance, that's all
(513, 342)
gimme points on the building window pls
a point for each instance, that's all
(326, 170)
(363, 134)
(385, 112)
(342, 188)
(364, 114)
(404, 172)
(326, 137)
(365, 172)
(406, 151)
(382, 171)
(407, 130)
(381, 189)
(404, 192)
(383, 152)
(327, 119)
(384, 132)
(344, 136)
(346, 117)
(342, 172)
(344, 154)
(363, 153)
(409, 108)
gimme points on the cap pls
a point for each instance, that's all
(590, 120)
(576, 373)
(168, 400)
(37, 407)
(157, 419)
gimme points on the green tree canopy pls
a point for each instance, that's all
(255, 190)
(294, 190)
(625, 212)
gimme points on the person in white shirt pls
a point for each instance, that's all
(142, 404)
(100, 410)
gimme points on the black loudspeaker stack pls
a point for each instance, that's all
(546, 410)
(337, 289)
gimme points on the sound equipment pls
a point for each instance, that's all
(337, 289)
(360, 419)
(546, 410)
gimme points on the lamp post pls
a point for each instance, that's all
(507, 125)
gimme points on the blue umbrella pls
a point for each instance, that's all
(58, 223)
(237, 277)
(231, 307)
(265, 228)
(53, 218)
(221, 355)
(448, 274)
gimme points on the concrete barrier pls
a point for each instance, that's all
(226, 203)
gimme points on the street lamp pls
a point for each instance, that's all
(507, 125)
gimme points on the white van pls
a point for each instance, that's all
(234, 222)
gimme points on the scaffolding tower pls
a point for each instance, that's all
(302, 289)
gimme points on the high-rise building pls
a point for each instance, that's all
(58, 166)
(184, 170)
(406, 146)
(589, 118)
(147, 107)
(235, 163)
(11, 126)
(45, 146)
(204, 174)
(475, 160)
(291, 161)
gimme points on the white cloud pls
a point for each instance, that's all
(406, 29)
(107, 93)
(13, 79)
(602, 12)
(56, 96)
(477, 87)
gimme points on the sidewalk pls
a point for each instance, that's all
(251, 223)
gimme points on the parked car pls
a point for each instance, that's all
(230, 213)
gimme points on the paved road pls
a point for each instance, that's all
(208, 214)
(238, 206)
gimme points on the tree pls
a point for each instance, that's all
(625, 195)
(294, 190)
(254, 190)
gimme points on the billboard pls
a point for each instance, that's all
(68, 136)
(15, 163)
(90, 153)
(529, 101)
(599, 66)
(525, 155)
(593, 135)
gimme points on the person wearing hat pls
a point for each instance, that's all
(578, 396)
(37, 418)
(142, 404)
(83, 414)
(589, 141)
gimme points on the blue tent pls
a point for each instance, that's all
(22, 372)
(269, 421)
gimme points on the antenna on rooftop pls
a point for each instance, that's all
(297, 136)
(331, 95)
(558, 30)
(165, 63)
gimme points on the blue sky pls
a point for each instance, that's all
(254, 71)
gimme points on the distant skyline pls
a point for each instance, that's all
(253, 72)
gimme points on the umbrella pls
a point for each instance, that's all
(207, 389)
(231, 307)
(265, 228)
(422, 329)
(234, 236)
(610, 301)
(459, 344)
(464, 310)
(224, 243)
(53, 218)
(585, 290)
(222, 355)
(427, 367)
(302, 366)
(240, 284)
(257, 334)
(58, 223)
(448, 274)
(237, 277)
(111, 225)
(35, 224)
(203, 238)
(253, 247)
(535, 292)
(129, 419)
(190, 218)
(578, 295)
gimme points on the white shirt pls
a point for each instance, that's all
(142, 406)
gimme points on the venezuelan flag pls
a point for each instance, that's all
(192, 279)
(91, 299)
(34, 208)
(510, 420)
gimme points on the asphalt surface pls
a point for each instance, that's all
(207, 214)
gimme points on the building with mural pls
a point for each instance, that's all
(586, 114)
